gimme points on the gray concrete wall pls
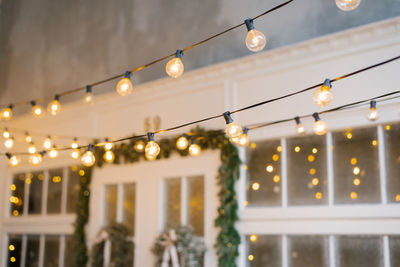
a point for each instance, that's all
(48, 46)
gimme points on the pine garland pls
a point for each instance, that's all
(228, 239)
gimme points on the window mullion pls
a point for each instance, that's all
(45, 189)
(332, 256)
(26, 194)
(23, 250)
(120, 203)
(386, 251)
(184, 201)
(330, 169)
(285, 248)
(64, 191)
(62, 251)
(284, 174)
(41, 250)
(382, 164)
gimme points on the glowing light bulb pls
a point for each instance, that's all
(109, 156)
(182, 143)
(47, 143)
(32, 148)
(194, 150)
(13, 160)
(6, 133)
(174, 67)
(37, 110)
(373, 114)
(88, 159)
(75, 154)
(347, 5)
(6, 113)
(233, 129)
(54, 106)
(108, 145)
(89, 95)
(243, 140)
(124, 86)
(255, 40)
(74, 143)
(36, 159)
(152, 149)
(9, 143)
(139, 146)
(53, 153)
(299, 127)
(323, 95)
(320, 127)
(28, 138)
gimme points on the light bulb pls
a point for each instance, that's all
(233, 129)
(74, 143)
(109, 156)
(13, 160)
(28, 138)
(320, 127)
(32, 148)
(194, 150)
(6, 113)
(108, 145)
(6, 133)
(174, 67)
(89, 95)
(243, 140)
(47, 143)
(255, 40)
(36, 159)
(88, 159)
(124, 86)
(323, 95)
(182, 142)
(152, 149)
(53, 153)
(373, 114)
(9, 143)
(75, 153)
(347, 5)
(139, 146)
(299, 127)
(37, 110)
(54, 106)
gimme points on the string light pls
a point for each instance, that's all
(13, 160)
(9, 143)
(88, 159)
(152, 149)
(194, 149)
(28, 138)
(54, 106)
(299, 127)
(6, 133)
(75, 153)
(243, 140)
(37, 110)
(47, 143)
(320, 127)
(6, 113)
(255, 40)
(53, 153)
(124, 86)
(182, 143)
(174, 67)
(373, 114)
(89, 95)
(74, 144)
(36, 159)
(109, 156)
(347, 5)
(323, 95)
(139, 146)
(32, 148)
(108, 145)
(233, 129)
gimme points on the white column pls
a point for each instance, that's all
(382, 164)
(284, 173)
(330, 169)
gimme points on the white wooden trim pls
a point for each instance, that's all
(330, 169)
(284, 170)
(120, 203)
(41, 250)
(64, 191)
(386, 251)
(382, 164)
(184, 200)
(45, 192)
(61, 253)
(332, 251)
(285, 251)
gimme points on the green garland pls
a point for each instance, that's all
(228, 239)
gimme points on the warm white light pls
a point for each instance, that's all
(182, 143)
(54, 107)
(6, 114)
(108, 146)
(174, 67)
(75, 153)
(300, 129)
(233, 130)
(89, 95)
(139, 146)
(53, 153)
(47, 143)
(152, 150)
(194, 150)
(74, 144)
(37, 111)
(320, 127)
(323, 95)
(255, 40)
(9, 143)
(347, 5)
(373, 114)
(243, 140)
(35, 159)
(6, 134)
(88, 159)
(124, 86)
(28, 138)
(31, 149)
(109, 156)
(14, 161)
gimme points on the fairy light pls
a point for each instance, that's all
(13, 160)
(31, 148)
(323, 95)
(373, 114)
(88, 159)
(243, 140)
(6, 113)
(347, 5)
(75, 153)
(255, 40)
(320, 127)
(53, 153)
(124, 86)
(174, 67)
(37, 110)
(108, 145)
(36, 159)
(47, 143)
(139, 146)
(74, 144)
(152, 149)
(88, 98)
(299, 127)
(6, 133)
(54, 106)
(182, 143)
(233, 129)
(109, 156)
(9, 143)
(194, 149)
(28, 138)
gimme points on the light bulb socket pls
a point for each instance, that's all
(5, 129)
(42, 153)
(150, 136)
(297, 119)
(90, 147)
(106, 140)
(373, 104)
(26, 134)
(179, 54)
(10, 106)
(75, 139)
(127, 74)
(245, 130)
(57, 97)
(316, 116)
(88, 89)
(49, 137)
(33, 103)
(8, 155)
(249, 24)
(227, 117)
(327, 83)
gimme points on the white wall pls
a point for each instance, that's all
(213, 90)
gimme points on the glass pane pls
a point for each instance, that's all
(356, 166)
(73, 188)
(357, 251)
(392, 141)
(394, 244)
(35, 181)
(305, 251)
(173, 202)
(264, 251)
(111, 196)
(51, 251)
(69, 252)
(54, 191)
(32, 251)
(17, 195)
(130, 207)
(264, 174)
(307, 171)
(196, 204)
(14, 250)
